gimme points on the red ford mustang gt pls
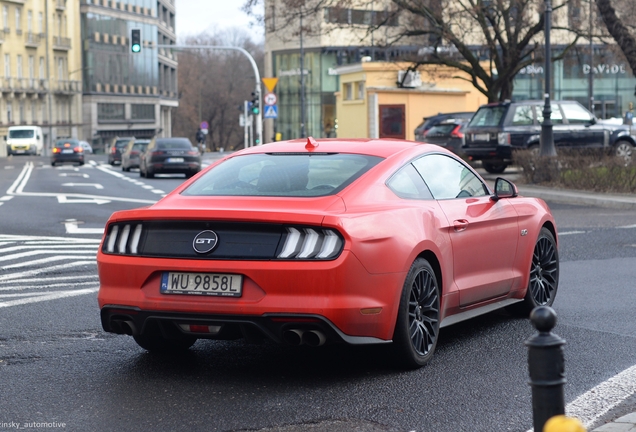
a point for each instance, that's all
(326, 241)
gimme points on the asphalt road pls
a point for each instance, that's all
(57, 366)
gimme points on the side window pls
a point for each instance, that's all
(576, 114)
(408, 184)
(448, 178)
(523, 116)
(556, 116)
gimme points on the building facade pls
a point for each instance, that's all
(125, 93)
(337, 37)
(41, 67)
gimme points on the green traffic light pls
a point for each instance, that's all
(136, 48)
(255, 110)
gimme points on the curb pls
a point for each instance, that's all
(625, 202)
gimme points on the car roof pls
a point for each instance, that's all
(371, 147)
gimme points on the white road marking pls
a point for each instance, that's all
(74, 175)
(55, 268)
(157, 191)
(95, 185)
(626, 227)
(571, 232)
(48, 296)
(6, 198)
(94, 280)
(63, 199)
(42, 252)
(72, 228)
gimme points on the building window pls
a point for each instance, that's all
(9, 112)
(31, 67)
(41, 67)
(360, 94)
(30, 21)
(348, 91)
(34, 112)
(110, 111)
(19, 66)
(7, 65)
(18, 19)
(142, 112)
(22, 113)
(5, 18)
(40, 23)
(339, 15)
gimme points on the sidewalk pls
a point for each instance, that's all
(622, 424)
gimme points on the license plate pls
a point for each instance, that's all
(481, 137)
(173, 160)
(20, 151)
(66, 151)
(216, 284)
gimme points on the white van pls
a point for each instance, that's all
(25, 140)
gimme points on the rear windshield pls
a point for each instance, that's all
(122, 143)
(139, 146)
(444, 129)
(24, 133)
(276, 174)
(61, 143)
(174, 144)
(488, 116)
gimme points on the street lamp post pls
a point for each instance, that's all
(547, 137)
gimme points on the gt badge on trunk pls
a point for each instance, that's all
(205, 241)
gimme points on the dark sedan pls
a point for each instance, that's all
(67, 150)
(448, 134)
(170, 156)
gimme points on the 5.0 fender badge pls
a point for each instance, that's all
(205, 241)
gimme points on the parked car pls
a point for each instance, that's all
(116, 147)
(429, 122)
(87, 147)
(326, 241)
(170, 156)
(449, 134)
(130, 155)
(499, 128)
(67, 150)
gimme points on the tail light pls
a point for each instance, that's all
(311, 243)
(78, 150)
(123, 239)
(193, 152)
(134, 153)
(503, 138)
(56, 150)
(456, 133)
(158, 152)
(113, 150)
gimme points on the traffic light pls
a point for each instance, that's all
(135, 40)
(254, 106)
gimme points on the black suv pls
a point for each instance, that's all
(498, 128)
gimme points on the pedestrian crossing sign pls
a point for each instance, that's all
(271, 111)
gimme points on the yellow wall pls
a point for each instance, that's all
(441, 92)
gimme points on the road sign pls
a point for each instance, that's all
(204, 125)
(270, 83)
(271, 111)
(270, 99)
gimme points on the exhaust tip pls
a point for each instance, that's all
(293, 337)
(128, 327)
(314, 338)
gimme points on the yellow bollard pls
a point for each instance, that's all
(561, 423)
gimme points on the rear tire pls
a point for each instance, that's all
(624, 149)
(417, 327)
(494, 168)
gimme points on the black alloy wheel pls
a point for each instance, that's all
(417, 326)
(544, 275)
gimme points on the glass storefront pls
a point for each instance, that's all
(613, 82)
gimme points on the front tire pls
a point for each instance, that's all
(417, 326)
(624, 150)
(544, 275)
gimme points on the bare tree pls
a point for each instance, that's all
(490, 41)
(212, 86)
(622, 32)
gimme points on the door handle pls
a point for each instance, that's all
(460, 225)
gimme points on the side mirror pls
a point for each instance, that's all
(593, 120)
(504, 189)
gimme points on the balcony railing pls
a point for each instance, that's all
(32, 40)
(23, 85)
(61, 43)
(67, 87)
(60, 5)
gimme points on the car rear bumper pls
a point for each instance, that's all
(168, 168)
(499, 153)
(341, 295)
(58, 158)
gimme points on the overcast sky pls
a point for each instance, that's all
(196, 16)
